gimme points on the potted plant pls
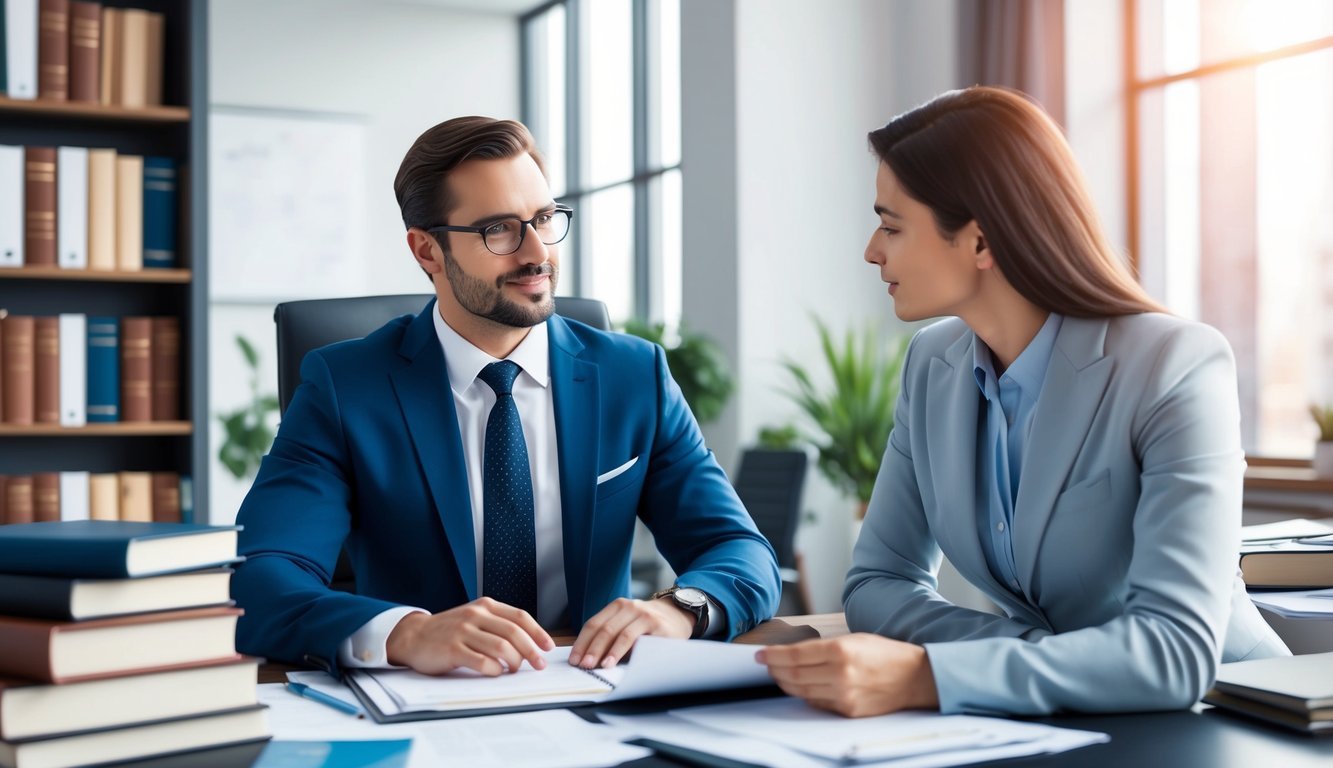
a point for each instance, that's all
(853, 417)
(248, 434)
(1323, 450)
(696, 363)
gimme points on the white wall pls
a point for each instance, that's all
(794, 86)
(402, 68)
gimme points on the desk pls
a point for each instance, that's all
(1200, 737)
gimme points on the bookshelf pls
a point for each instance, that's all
(179, 130)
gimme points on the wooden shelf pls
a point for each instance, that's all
(150, 275)
(84, 111)
(111, 429)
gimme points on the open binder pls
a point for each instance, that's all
(657, 667)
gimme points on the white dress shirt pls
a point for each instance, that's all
(473, 400)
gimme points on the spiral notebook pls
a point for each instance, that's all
(658, 667)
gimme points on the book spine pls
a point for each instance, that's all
(46, 497)
(136, 369)
(53, 50)
(129, 212)
(153, 59)
(4, 491)
(103, 369)
(39, 199)
(25, 651)
(21, 48)
(18, 500)
(19, 364)
(85, 51)
(136, 497)
(109, 73)
(46, 370)
(11, 206)
(74, 487)
(36, 598)
(72, 207)
(73, 370)
(134, 58)
(104, 496)
(159, 212)
(166, 346)
(102, 209)
(166, 497)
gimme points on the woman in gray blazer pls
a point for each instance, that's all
(1074, 450)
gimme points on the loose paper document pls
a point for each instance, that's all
(1299, 604)
(657, 666)
(1287, 529)
(956, 739)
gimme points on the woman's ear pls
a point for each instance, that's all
(981, 243)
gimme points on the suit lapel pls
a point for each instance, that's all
(575, 391)
(951, 429)
(427, 404)
(1070, 395)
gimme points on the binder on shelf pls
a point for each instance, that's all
(74, 495)
(85, 51)
(103, 370)
(102, 209)
(46, 370)
(129, 212)
(72, 207)
(39, 201)
(159, 212)
(21, 48)
(136, 369)
(53, 50)
(73, 369)
(11, 206)
(46, 497)
(18, 368)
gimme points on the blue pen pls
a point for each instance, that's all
(306, 692)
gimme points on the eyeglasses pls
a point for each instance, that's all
(505, 236)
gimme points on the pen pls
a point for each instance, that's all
(305, 691)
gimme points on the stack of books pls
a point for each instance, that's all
(1294, 554)
(117, 642)
(1291, 691)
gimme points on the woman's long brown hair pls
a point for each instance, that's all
(990, 155)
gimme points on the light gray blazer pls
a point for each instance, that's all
(1125, 532)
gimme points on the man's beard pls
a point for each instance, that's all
(488, 301)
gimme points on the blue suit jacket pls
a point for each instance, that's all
(1126, 528)
(369, 454)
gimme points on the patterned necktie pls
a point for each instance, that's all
(509, 543)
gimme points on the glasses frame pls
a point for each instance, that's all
(522, 232)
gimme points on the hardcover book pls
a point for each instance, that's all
(39, 202)
(77, 599)
(103, 369)
(114, 549)
(46, 370)
(68, 651)
(53, 50)
(85, 51)
(136, 369)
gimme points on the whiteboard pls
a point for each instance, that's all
(286, 204)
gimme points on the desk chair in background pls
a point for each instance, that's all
(770, 485)
(311, 324)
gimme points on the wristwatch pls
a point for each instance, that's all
(692, 600)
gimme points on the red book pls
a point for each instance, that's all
(39, 195)
(4, 490)
(18, 499)
(17, 368)
(85, 51)
(166, 497)
(46, 364)
(46, 497)
(136, 369)
(166, 348)
(53, 50)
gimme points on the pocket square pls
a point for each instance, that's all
(620, 470)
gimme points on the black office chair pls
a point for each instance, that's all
(314, 323)
(770, 484)
(307, 325)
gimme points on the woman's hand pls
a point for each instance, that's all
(855, 675)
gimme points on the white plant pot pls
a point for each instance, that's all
(1323, 459)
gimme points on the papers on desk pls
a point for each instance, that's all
(658, 666)
(1284, 530)
(1298, 604)
(787, 732)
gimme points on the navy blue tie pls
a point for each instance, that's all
(509, 541)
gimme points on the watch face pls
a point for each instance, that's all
(690, 596)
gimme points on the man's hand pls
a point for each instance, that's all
(608, 636)
(855, 675)
(484, 635)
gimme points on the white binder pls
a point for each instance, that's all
(73, 370)
(72, 207)
(11, 206)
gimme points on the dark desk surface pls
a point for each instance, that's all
(1203, 737)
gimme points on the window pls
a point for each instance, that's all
(1230, 111)
(601, 93)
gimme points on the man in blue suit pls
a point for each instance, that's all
(484, 462)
